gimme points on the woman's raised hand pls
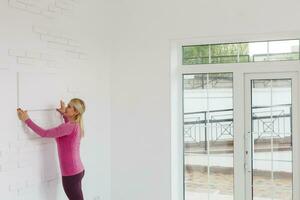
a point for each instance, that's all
(22, 114)
(62, 108)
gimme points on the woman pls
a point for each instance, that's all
(67, 136)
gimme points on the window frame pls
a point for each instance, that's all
(177, 69)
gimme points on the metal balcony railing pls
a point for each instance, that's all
(216, 126)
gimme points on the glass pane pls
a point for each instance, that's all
(284, 50)
(241, 52)
(271, 138)
(208, 136)
(258, 51)
(243, 49)
(196, 54)
(224, 53)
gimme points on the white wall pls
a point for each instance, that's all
(140, 77)
(40, 38)
(67, 38)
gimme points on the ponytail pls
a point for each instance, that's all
(81, 126)
(79, 106)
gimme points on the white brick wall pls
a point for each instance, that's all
(43, 60)
(51, 9)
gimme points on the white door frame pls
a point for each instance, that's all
(238, 70)
(295, 137)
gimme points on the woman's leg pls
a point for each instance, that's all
(72, 186)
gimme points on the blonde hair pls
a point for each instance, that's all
(78, 106)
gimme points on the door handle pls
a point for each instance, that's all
(248, 146)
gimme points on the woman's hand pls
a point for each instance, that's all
(22, 114)
(62, 108)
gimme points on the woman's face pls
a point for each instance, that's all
(70, 111)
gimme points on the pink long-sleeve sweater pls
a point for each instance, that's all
(67, 136)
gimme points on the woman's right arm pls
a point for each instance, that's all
(62, 114)
(65, 118)
(62, 109)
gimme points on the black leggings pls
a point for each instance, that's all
(72, 186)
